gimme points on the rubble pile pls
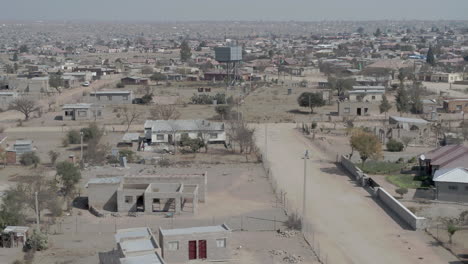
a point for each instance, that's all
(291, 258)
(287, 233)
(288, 258)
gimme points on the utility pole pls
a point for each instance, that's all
(37, 211)
(306, 157)
(81, 146)
(266, 140)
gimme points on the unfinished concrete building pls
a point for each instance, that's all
(150, 194)
(156, 197)
(181, 245)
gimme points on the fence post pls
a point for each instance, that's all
(274, 224)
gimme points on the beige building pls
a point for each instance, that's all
(210, 243)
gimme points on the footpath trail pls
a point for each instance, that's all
(348, 225)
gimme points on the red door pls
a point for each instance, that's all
(192, 250)
(202, 249)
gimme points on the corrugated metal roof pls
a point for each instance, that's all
(75, 106)
(136, 245)
(108, 180)
(193, 230)
(110, 92)
(409, 120)
(138, 232)
(183, 125)
(458, 175)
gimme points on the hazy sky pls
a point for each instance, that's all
(176, 10)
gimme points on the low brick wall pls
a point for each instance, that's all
(393, 204)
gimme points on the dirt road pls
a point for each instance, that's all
(349, 226)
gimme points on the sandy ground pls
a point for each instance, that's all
(235, 192)
(348, 225)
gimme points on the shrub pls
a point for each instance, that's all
(164, 162)
(120, 85)
(53, 155)
(314, 125)
(90, 132)
(208, 99)
(130, 155)
(147, 98)
(37, 241)
(30, 158)
(412, 160)
(55, 207)
(294, 222)
(394, 146)
(73, 137)
(194, 144)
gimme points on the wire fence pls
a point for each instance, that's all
(290, 205)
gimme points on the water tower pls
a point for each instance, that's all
(231, 57)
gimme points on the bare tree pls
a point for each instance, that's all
(130, 115)
(240, 133)
(25, 106)
(50, 103)
(406, 141)
(164, 112)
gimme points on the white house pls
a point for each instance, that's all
(168, 131)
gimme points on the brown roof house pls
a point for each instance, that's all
(446, 157)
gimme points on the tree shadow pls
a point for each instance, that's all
(299, 112)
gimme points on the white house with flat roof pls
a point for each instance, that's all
(169, 131)
(211, 243)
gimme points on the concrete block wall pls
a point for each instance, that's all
(406, 215)
(398, 208)
(200, 180)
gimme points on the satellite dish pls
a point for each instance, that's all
(422, 157)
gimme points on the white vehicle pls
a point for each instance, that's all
(86, 84)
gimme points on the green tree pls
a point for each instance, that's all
(451, 230)
(15, 56)
(384, 105)
(30, 158)
(310, 100)
(340, 84)
(224, 111)
(367, 144)
(430, 58)
(378, 32)
(23, 48)
(185, 51)
(158, 77)
(416, 102)
(91, 132)
(360, 30)
(69, 176)
(147, 98)
(56, 81)
(73, 137)
(402, 100)
(12, 210)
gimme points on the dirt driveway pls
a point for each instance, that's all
(348, 225)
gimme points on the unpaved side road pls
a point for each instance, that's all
(349, 226)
